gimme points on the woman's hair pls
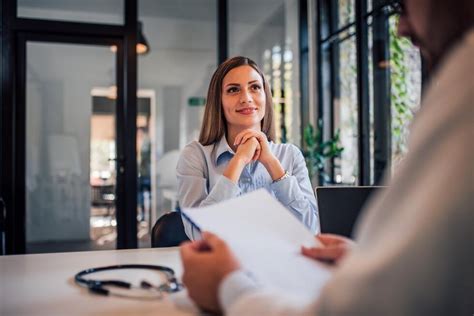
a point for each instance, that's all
(214, 123)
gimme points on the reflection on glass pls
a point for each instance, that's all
(70, 137)
(345, 114)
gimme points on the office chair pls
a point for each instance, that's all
(103, 196)
(340, 207)
(168, 231)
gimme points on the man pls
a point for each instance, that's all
(414, 253)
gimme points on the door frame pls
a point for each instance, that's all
(16, 32)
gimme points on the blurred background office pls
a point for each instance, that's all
(98, 97)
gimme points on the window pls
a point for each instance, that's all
(267, 32)
(369, 87)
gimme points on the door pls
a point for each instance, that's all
(73, 142)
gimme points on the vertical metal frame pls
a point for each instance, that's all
(127, 114)
(304, 65)
(9, 188)
(362, 44)
(382, 93)
(222, 31)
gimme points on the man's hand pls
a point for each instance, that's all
(334, 248)
(206, 263)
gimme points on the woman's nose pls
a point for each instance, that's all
(245, 97)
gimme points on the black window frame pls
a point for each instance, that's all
(328, 38)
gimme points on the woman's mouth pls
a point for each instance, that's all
(247, 111)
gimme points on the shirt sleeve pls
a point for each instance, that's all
(240, 294)
(296, 192)
(193, 173)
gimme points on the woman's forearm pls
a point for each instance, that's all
(234, 169)
(274, 168)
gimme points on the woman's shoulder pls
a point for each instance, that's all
(195, 150)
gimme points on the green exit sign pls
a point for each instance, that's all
(196, 101)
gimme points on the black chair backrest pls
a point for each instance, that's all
(339, 207)
(168, 231)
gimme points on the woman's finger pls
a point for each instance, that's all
(245, 138)
(257, 154)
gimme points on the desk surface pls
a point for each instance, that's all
(42, 284)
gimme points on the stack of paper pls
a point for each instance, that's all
(267, 240)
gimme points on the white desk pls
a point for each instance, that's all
(43, 284)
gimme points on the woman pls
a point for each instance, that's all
(236, 153)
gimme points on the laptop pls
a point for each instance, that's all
(339, 207)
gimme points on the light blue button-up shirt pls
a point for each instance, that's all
(200, 180)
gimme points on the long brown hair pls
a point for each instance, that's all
(214, 123)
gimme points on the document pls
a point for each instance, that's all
(266, 238)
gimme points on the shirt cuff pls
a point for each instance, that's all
(234, 286)
(224, 189)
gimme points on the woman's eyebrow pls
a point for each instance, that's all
(232, 84)
(237, 84)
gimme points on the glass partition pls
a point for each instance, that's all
(173, 78)
(70, 148)
(267, 32)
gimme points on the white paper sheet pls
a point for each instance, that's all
(267, 240)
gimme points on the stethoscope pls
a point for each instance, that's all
(171, 285)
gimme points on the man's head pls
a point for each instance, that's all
(435, 25)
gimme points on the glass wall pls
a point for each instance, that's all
(394, 87)
(267, 32)
(173, 77)
(345, 113)
(70, 148)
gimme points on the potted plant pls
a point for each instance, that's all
(317, 152)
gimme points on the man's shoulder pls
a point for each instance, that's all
(449, 97)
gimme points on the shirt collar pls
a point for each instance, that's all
(223, 148)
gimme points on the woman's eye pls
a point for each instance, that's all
(232, 90)
(256, 87)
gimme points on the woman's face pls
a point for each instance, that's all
(243, 99)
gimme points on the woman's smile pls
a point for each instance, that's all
(247, 110)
